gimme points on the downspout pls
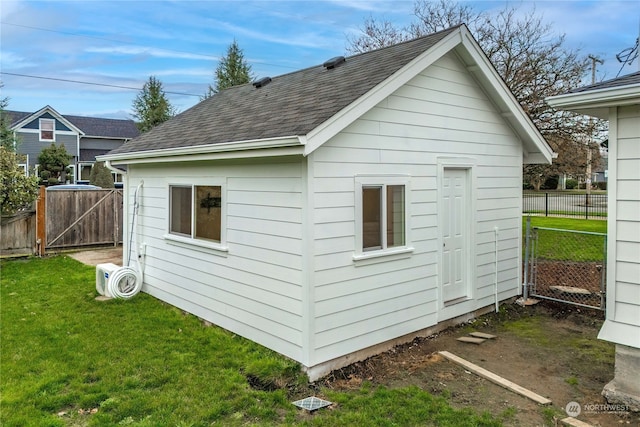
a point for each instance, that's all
(495, 231)
(112, 168)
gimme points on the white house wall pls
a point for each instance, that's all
(440, 113)
(627, 218)
(254, 289)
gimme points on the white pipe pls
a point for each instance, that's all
(127, 281)
(495, 232)
(112, 168)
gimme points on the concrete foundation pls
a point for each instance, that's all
(624, 389)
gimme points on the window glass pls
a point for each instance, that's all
(371, 218)
(208, 209)
(180, 200)
(46, 129)
(395, 216)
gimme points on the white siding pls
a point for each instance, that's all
(627, 217)
(254, 289)
(441, 112)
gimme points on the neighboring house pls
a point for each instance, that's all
(618, 101)
(83, 137)
(335, 211)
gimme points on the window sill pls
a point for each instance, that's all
(383, 255)
(201, 245)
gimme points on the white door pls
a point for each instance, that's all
(455, 234)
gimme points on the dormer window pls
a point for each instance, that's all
(47, 129)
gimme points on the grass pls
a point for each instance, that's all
(68, 360)
(593, 226)
(556, 245)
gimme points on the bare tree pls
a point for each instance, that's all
(531, 58)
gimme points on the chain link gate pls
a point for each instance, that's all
(565, 266)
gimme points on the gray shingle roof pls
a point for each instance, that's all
(629, 79)
(91, 126)
(111, 128)
(291, 104)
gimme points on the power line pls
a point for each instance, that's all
(103, 39)
(90, 83)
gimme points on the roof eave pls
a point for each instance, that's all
(535, 148)
(329, 128)
(597, 102)
(290, 145)
(53, 112)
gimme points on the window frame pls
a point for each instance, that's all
(53, 129)
(191, 241)
(382, 181)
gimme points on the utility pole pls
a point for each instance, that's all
(594, 60)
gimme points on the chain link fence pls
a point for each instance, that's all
(566, 266)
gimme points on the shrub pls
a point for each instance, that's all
(550, 184)
(571, 184)
(101, 176)
(602, 185)
(17, 191)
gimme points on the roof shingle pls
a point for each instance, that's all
(629, 79)
(91, 126)
(290, 105)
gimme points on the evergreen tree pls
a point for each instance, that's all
(7, 137)
(151, 106)
(101, 176)
(53, 161)
(232, 70)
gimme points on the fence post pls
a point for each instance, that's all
(586, 206)
(41, 221)
(546, 204)
(525, 287)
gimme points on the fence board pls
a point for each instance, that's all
(18, 233)
(83, 218)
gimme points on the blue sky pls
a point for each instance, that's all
(122, 43)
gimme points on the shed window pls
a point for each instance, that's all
(47, 129)
(196, 211)
(383, 217)
(382, 228)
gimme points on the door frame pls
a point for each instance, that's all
(469, 165)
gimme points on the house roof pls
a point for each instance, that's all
(89, 126)
(307, 107)
(596, 99)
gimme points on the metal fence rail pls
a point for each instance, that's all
(567, 266)
(565, 204)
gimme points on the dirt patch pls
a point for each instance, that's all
(549, 348)
(99, 256)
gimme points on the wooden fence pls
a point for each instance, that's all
(65, 219)
(18, 233)
(76, 218)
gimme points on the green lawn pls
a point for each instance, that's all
(558, 245)
(69, 360)
(593, 226)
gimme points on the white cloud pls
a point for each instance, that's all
(158, 53)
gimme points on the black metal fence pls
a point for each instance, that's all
(593, 206)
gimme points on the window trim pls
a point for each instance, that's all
(191, 242)
(53, 130)
(363, 181)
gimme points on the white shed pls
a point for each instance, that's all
(618, 101)
(335, 211)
